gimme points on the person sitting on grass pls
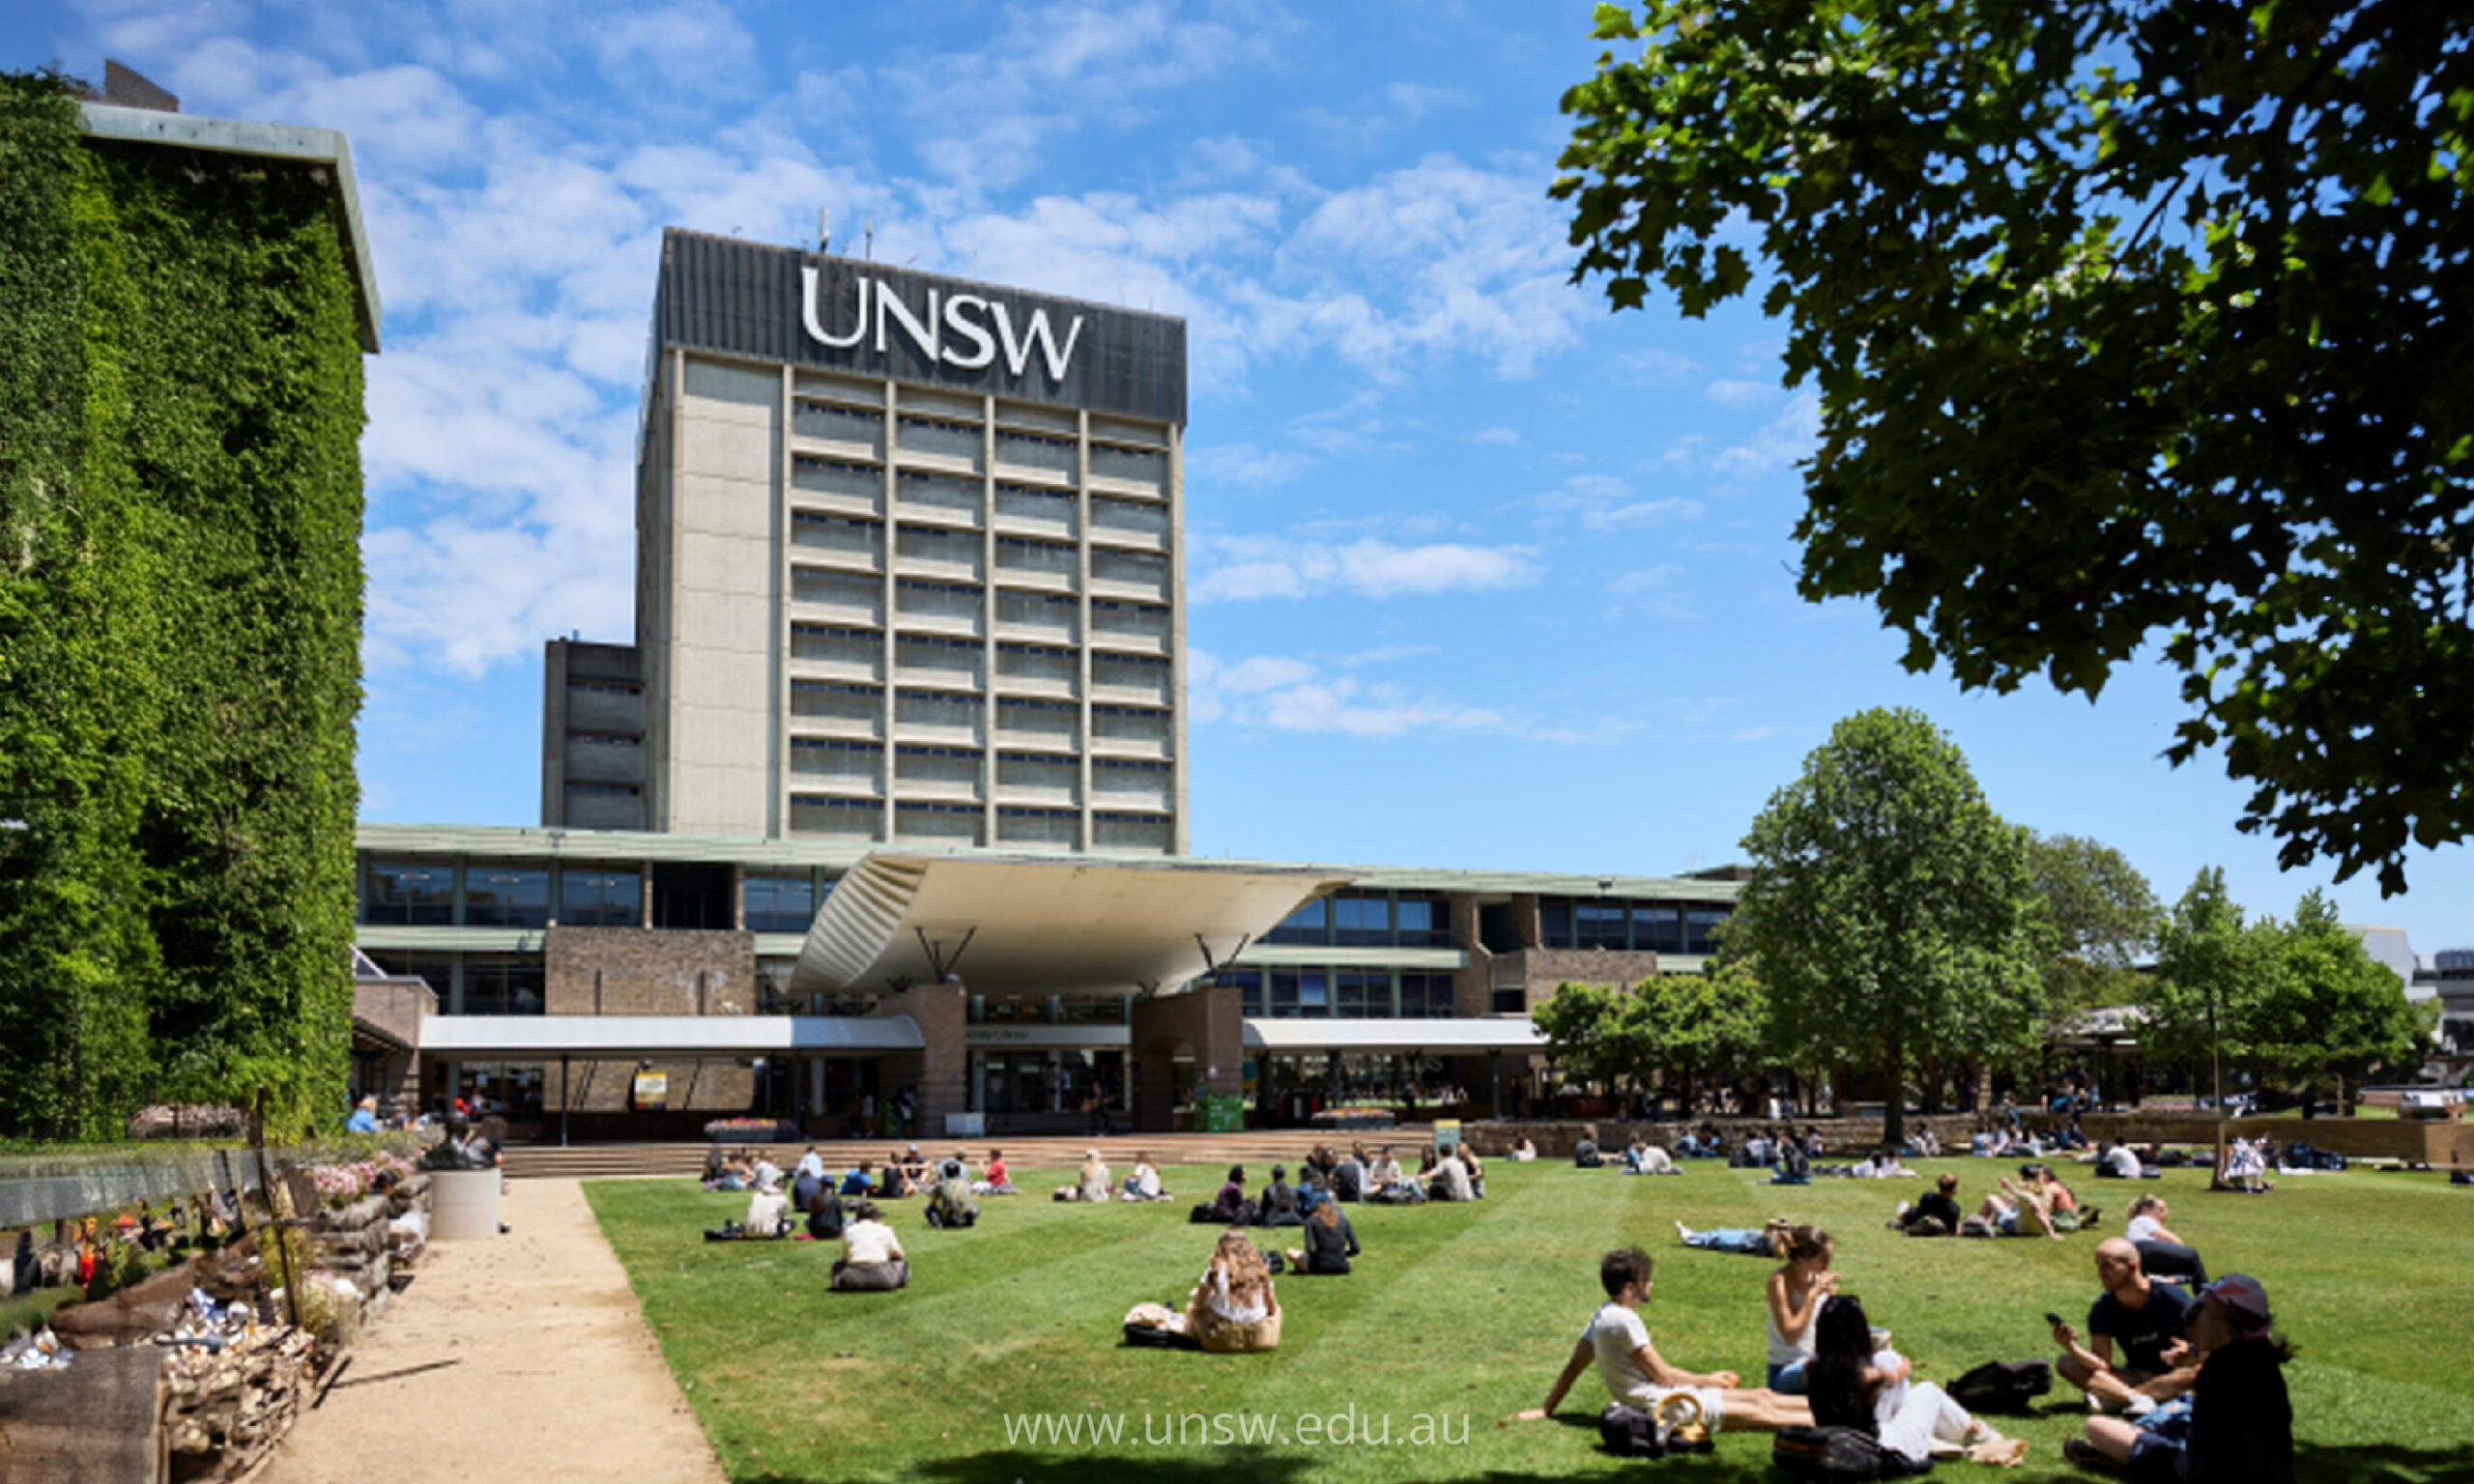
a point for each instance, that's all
(2015, 1211)
(2116, 1161)
(915, 1177)
(2161, 1252)
(1144, 1184)
(894, 1183)
(1348, 1176)
(2062, 1210)
(1451, 1180)
(1856, 1382)
(1228, 1206)
(2242, 1166)
(1091, 1183)
(769, 1213)
(1769, 1241)
(1233, 1310)
(858, 1182)
(1935, 1216)
(825, 1215)
(1796, 1293)
(1636, 1375)
(1585, 1153)
(1330, 1242)
(1524, 1152)
(1279, 1206)
(2238, 1428)
(872, 1260)
(999, 1181)
(1476, 1172)
(949, 1202)
(2146, 1319)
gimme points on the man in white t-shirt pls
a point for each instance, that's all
(1618, 1343)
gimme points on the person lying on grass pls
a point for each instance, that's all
(1636, 1375)
(2146, 1319)
(2161, 1251)
(1856, 1380)
(1770, 1241)
(1935, 1216)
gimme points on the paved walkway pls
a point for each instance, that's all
(555, 1377)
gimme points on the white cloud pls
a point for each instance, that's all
(1733, 392)
(1244, 463)
(1654, 367)
(1780, 444)
(1603, 503)
(1502, 438)
(1292, 695)
(688, 49)
(1243, 568)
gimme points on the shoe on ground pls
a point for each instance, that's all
(2086, 1454)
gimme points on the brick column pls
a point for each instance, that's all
(1208, 1023)
(938, 1073)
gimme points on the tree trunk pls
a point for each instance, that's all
(1894, 1102)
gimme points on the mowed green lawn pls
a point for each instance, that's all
(1459, 1315)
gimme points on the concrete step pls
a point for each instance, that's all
(606, 1161)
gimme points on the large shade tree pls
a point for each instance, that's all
(1890, 912)
(2130, 321)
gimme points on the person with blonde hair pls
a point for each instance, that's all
(1796, 1293)
(1092, 1183)
(1233, 1309)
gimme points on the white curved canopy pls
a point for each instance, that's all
(1042, 925)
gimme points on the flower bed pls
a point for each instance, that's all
(751, 1130)
(1354, 1117)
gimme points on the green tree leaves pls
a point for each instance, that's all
(1891, 914)
(2169, 346)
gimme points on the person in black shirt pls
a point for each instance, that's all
(2147, 1320)
(2239, 1426)
(1330, 1242)
(1936, 1215)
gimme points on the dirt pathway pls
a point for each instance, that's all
(556, 1377)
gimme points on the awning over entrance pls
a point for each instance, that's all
(648, 1038)
(1042, 925)
(1434, 1038)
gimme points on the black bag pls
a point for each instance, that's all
(1204, 1216)
(1829, 1453)
(2001, 1385)
(1153, 1337)
(1629, 1432)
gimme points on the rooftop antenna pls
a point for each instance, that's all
(870, 224)
(823, 229)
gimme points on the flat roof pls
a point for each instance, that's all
(324, 148)
(1039, 924)
(532, 841)
(640, 1038)
(1454, 1037)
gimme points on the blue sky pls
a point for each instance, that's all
(1482, 575)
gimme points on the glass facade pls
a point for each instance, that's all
(502, 984)
(779, 903)
(1641, 927)
(407, 894)
(499, 894)
(600, 896)
(1366, 920)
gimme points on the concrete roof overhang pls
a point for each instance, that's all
(646, 1037)
(1436, 1037)
(1043, 925)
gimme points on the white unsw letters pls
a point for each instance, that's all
(963, 317)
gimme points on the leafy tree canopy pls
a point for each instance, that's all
(1890, 911)
(2105, 919)
(2127, 320)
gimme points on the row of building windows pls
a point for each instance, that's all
(423, 894)
(1348, 994)
(1640, 926)
(1367, 920)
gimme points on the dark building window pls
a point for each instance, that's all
(1362, 994)
(1306, 924)
(597, 897)
(1601, 923)
(1250, 987)
(1423, 923)
(1658, 927)
(409, 893)
(502, 984)
(1554, 925)
(1299, 993)
(505, 895)
(1361, 921)
(1426, 996)
(1701, 927)
(780, 904)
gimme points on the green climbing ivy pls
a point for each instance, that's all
(180, 620)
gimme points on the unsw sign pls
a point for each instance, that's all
(871, 319)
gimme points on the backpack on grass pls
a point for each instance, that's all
(1827, 1454)
(1629, 1432)
(2001, 1385)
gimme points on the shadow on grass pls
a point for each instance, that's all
(2384, 1464)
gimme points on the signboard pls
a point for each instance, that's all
(1226, 1114)
(651, 1092)
(1446, 1134)
(868, 319)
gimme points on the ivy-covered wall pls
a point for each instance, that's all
(180, 624)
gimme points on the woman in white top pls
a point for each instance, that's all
(767, 1211)
(1233, 1310)
(1144, 1184)
(872, 1257)
(1092, 1184)
(1796, 1294)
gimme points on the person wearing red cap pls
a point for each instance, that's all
(2237, 1427)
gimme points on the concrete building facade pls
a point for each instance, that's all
(908, 554)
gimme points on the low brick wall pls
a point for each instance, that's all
(1845, 1138)
(2444, 1144)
